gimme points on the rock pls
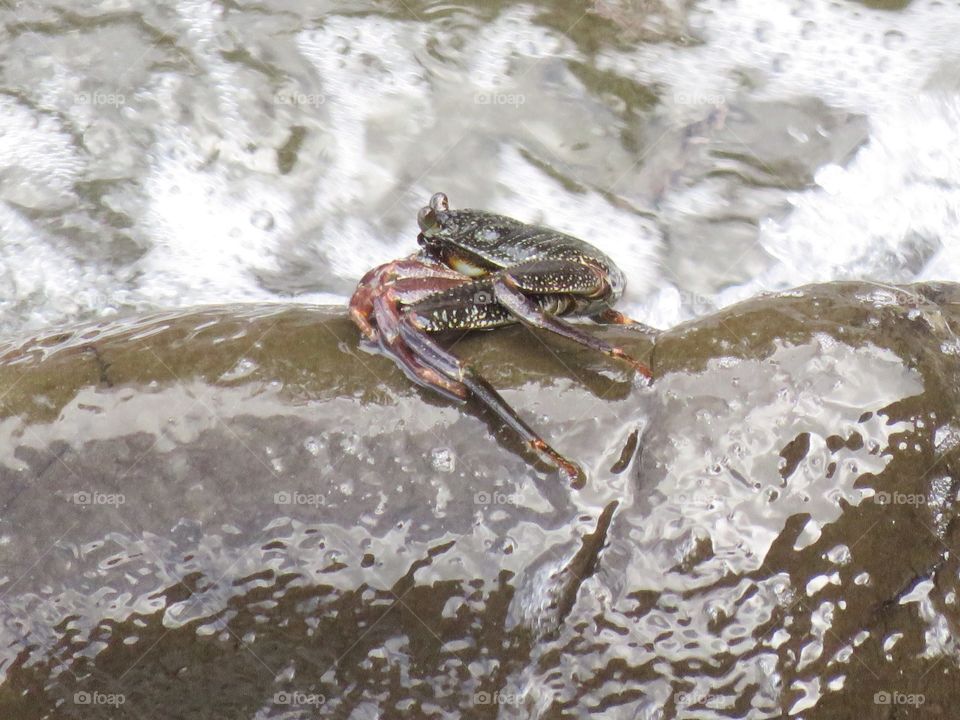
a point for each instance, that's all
(235, 512)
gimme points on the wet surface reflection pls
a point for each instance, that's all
(234, 512)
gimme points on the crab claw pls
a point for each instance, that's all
(376, 308)
(573, 472)
(384, 308)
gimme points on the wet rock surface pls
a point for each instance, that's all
(235, 512)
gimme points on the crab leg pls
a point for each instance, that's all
(543, 276)
(613, 317)
(389, 321)
(402, 276)
(376, 308)
(439, 359)
(609, 316)
(397, 304)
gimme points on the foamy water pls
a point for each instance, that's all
(759, 146)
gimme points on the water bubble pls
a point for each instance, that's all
(889, 642)
(262, 220)
(893, 39)
(951, 347)
(443, 459)
(763, 30)
(946, 438)
(243, 368)
(840, 555)
(350, 443)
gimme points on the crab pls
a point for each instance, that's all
(478, 270)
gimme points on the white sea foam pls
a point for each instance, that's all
(630, 240)
(892, 214)
(393, 116)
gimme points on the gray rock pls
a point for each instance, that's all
(235, 512)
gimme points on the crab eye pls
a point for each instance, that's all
(426, 219)
(439, 202)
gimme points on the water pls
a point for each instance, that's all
(180, 153)
(232, 512)
(249, 511)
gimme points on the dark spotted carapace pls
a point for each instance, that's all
(478, 270)
(562, 274)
